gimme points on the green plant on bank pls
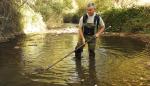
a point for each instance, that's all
(135, 19)
(101, 6)
(74, 17)
(51, 7)
(10, 16)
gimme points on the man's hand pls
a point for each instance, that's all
(99, 32)
(97, 35)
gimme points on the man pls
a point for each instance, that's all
(90, 25)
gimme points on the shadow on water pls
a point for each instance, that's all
(122, 44)
(10, 62)
(119, 61)
(88, 77)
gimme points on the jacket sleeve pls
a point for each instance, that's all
(101, 22)
(81, 22)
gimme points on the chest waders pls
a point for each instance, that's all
(88, 29)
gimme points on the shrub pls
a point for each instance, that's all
(133, 19)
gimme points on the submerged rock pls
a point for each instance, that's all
(147, 64)
(39, 70)
(16, 47)
(95, 85)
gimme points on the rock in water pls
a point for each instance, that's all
(16, 47)
(39, 70)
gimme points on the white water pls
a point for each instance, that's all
(32, 21)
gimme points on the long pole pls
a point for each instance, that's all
(50, 66)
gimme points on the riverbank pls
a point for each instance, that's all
(139, 36)
(130, 20)
(145, 38)
(10, 20)
(9, 36)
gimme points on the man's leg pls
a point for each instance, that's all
(91, 48)
(79, 51)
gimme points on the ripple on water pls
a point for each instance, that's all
(118, 61)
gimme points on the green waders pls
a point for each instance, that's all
(88, 32)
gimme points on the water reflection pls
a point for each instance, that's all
(46, 49)
(118, 61)
(122, 44)
(114, 60)
(11, 64)
(86, 77)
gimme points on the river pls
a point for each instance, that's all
(119, 61)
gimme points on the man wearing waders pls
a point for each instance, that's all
(90, 24)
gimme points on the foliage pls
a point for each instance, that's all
(124, 3)
(103, 5)
(50, 7)
(122, 20)
(71, 18)
(44, 7)
(134, 19)
(10, 16)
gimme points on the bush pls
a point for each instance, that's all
(67, 18)
(127, 20)
(11, 16)
(72, 17)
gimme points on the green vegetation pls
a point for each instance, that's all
(56, 12)
(101, 6)
(133, 19)
(48, 8)
(9, 17)
(52, 10)
(122, 16)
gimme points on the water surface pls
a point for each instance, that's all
(119, 61)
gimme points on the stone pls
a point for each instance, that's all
(16, 47)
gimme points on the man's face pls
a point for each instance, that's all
(90, 11)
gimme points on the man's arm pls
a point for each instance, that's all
(101, 28)
(81, 36)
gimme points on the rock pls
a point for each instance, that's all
(39, 70)
(141, 84)
(132, 73)
(32, 45)
(16, 47)
(122, 34)
(148, 64)
(95, 85)
(125, 80)
(113, 84)
(35, 80)
(82, 80)
(141, 78)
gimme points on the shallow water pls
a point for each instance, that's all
(119, 62)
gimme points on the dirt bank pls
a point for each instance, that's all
(139, 36)
(8, 36)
